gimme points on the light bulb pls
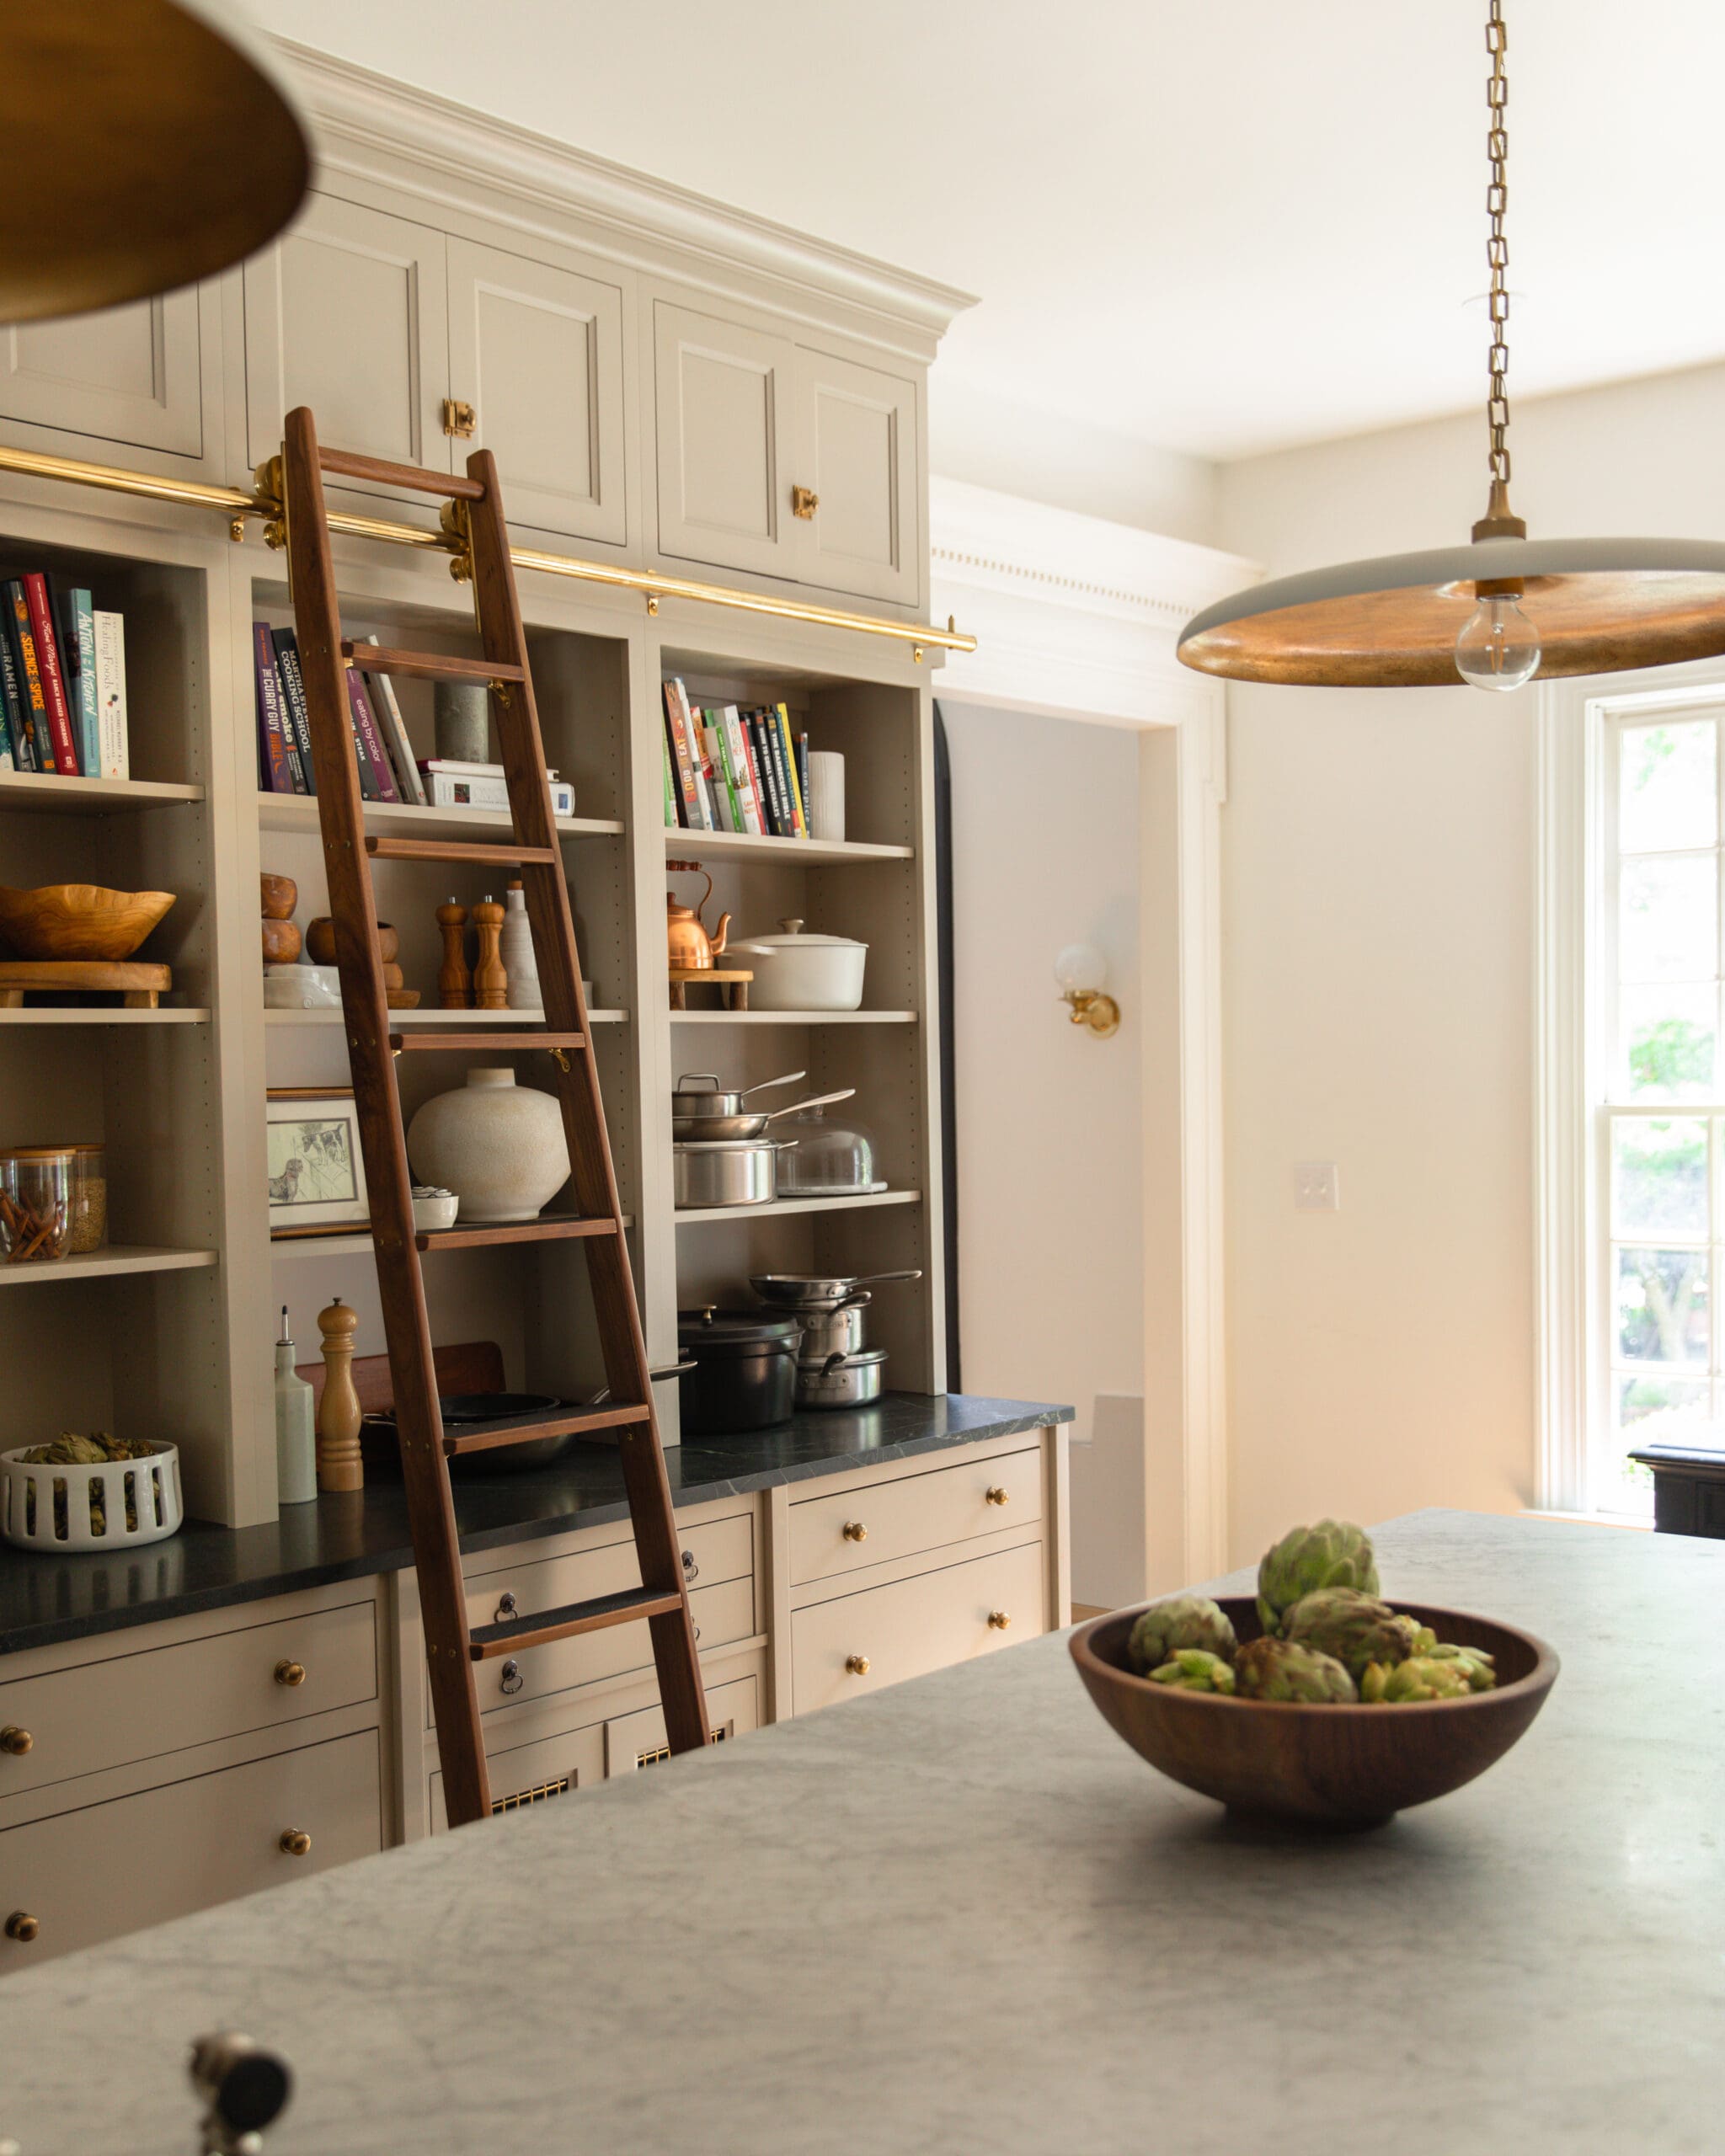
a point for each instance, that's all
(1498, 647)
(1079, 969)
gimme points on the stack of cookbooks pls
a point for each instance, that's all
(729, 768)
(62, 681)
(451, 785)
(385, 757)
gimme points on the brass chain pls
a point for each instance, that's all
(1498, 247)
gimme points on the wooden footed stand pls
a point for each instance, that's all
(732, 983)
(137, 986)
(339, 1466)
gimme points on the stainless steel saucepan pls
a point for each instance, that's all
(700, 1098)
(819, 1291)
(709, 1129)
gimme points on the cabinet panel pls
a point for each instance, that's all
(917, 1512)
(639, 1740)
(857, 451)
(535, 1770)
(538, 352)
(915, 1625)
(130, 374)
(138, 1706)
(105, 1869)
(722, 397)
(349, 314)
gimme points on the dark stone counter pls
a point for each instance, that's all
(46, 1599)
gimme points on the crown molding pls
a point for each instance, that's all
(449, 146)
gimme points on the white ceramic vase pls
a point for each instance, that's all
(515, 949)
(499, 1146)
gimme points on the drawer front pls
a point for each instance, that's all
(919, 1511)
(635, 1741)
(136, 1706)
(915, 1625)
(89, 1874)
(537, 1769)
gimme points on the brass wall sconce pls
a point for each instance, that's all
(1080, 970)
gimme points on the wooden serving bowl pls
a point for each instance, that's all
(79, 921)
(279, 895)
(1333, 1766)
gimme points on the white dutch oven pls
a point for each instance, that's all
(795, 972)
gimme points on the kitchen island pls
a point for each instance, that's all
(960, 1916)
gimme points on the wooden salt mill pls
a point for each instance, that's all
(454, 981)
(339, 1466)
(490, 979)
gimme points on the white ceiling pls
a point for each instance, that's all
(1217, 226)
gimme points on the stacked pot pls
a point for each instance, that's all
(722, 1152)
(834, 1369)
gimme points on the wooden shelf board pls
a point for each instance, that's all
(298, 812)
(115, 1017)
(733, 844)
(458, 1021)
(796, 1205)
(52, 795)
(360, 1245)
(118, 1257)
(793, 1018)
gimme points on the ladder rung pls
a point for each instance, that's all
(482, 856)
(544, 1230)
(345, 464)
(515, 1633)
(450, 1042)
(485, 1437)
(428, 665)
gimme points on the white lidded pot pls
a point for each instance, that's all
(499, 1146)
(796, 972)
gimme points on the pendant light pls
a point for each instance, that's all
(1494, 613)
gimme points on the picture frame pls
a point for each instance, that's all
(316, 1170)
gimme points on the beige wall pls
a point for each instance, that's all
(1378, 868)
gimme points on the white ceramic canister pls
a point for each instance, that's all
(515, 949)
(498, 1145)
(826, 794)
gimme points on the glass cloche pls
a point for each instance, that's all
(834, 1156)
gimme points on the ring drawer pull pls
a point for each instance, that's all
(22, 1926)
(998, 1620)
(509, 1679)
(507, 1605)
(14, 1740)
(691, 1571)
(994, 1494)
(857, 1665)
(855, 1531)
(290, 1674)
(294, 1842)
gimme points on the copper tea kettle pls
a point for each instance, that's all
(688, 945)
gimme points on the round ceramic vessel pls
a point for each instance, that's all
(499, 1146)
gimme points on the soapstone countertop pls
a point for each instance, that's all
(960, 1918)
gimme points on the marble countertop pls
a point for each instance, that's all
(44, 1599)
(958, 1917)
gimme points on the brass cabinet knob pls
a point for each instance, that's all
(994, 1494)
(998, 1620)
(294, 1842)
(14, 1740)
(855, 1531)
(458, 417)
(290, 1674)
(857, 1664)
(804, 501)
(22, 1926)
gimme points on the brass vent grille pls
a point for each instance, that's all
(538, 1795)
(654, 1752)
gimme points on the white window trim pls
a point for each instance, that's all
(1571, 993)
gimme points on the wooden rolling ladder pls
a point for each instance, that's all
(473, 513)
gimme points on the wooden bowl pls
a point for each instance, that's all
(280, 895)
(79, 921)
(1333, 1766)
(281, 942)
(320, 940)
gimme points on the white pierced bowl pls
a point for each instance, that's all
(29, 1517)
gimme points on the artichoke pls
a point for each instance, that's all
(1420, 1678)
(1355, 1628)
(1192, 1669)
(1289, 1670)
(1335, 1553)
(1178, 1621)
(1476, 1664)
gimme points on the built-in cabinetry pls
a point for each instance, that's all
(127, 384)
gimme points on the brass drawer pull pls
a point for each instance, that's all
(22, 1926)
(14, 1740)
(855, 1531)
(804, 501)
(994, 1494)
(294, 1842)
(998, 1620)
(290, 1674)
(458, 417)
(857, 1664)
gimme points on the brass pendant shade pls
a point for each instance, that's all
(147, 143)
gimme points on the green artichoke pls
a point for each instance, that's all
(1288, 1669)
(1474, 1661)
(1192, 1669)
(1178, 1621)
(1335, 1553)
(1419, 1678)
(1355, 1628)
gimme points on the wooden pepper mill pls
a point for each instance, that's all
(339, 1466)
(454, 981)
(490, 980)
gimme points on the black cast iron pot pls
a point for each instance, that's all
(744, 1376)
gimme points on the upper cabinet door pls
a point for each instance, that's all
(722, 425)
(857, 454)
(537, 353)
(130, 374)
(349, 314)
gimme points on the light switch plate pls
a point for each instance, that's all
(1316, 1186)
